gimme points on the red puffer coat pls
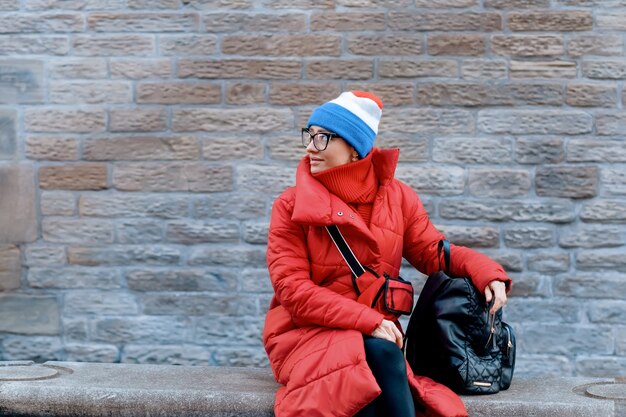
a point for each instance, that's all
(313, 330)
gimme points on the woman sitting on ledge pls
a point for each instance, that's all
(332, 355)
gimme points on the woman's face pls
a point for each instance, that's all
(337, 153)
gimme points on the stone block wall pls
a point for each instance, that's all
(142, 143)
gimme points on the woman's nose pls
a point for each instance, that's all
(311, 148)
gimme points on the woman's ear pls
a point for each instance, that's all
(355, 155)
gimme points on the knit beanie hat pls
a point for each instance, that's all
(353, 116)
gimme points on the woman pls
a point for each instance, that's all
(332, 355)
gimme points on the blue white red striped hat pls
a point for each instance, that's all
(353, 116)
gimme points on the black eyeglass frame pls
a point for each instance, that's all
(307, 140)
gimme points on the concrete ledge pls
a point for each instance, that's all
(98, 389)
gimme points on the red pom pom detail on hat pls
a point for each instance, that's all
(371, 96)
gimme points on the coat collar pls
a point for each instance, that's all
(315, 205)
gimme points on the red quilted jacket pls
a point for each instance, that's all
(313, 330)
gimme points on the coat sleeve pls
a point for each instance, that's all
(290, 271)
(421, 240)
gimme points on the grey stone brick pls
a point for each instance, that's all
(77, 231)
(604, 69)
(197, 279)
(93, 92)
(547, 310)
(246, 357)
(34, 44)
(139, 205)
(428, 121)
(606, 312)
(58, 203)
(177, 45)
(529, 237)
(592, 259)
(229, 331)
(604, 211)
(178, 354)
(7, 132)
(73, 278)
(434, 180)
(230, 120)
(592, 150)
(240, 205)
(142, 329)
(272, 179)
(190, 232)
(124, 255)
(553, 211)
(530, 285)
(18, 223)
(255, 232)
(100, 303)
(529, 366)
(141, 148)
(190, 177)
(621, 340)
(197, 304)
(237, 256)
(39, 255)
(411, 149)
(539, 150)
(29, 314)
(566, 339)
(601, 367)
(478, 69)
(78, 68)
(610, 123)
(75, 330)
(140, 231)
(591, 237)
(613, 182)
(21, 81)
(603, 45)
(503, 183)
(220, 148)
(610, 285)
(510, 261)
(285, 148)
(472, 236)
(567, 181)
(472, 150)
(39, 349)
(91, 353)
(549, 262)
(255, 280)
(528, 122)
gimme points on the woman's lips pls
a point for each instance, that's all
(315, 161)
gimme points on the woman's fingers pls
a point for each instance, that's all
(497, 291)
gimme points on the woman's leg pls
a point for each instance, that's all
(387, 363)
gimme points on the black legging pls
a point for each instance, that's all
(386, 361)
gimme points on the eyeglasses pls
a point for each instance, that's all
(320, 139)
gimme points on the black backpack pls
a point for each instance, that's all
(452, 338)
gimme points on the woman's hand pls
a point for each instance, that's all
(495, 289)
(388, 331)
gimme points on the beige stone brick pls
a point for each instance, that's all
(499, 183)
(412, 68)
(300, 93)
(464, 45)
(605, 45)
(411, 149)
(541, 122)
(246, 93)
(78, 5)
(58, 203)
(517, 4)
(113, 45)
(43, 119)
(286, 147)
(210, 5)
(557, 21)
(220, 148)
(385, 44)
(613, 20)
(392, 94)
(527, 45)
(138, 120)
(428, 121)
(605, 69)
(179, 45)
(472, 94)
(231, 120)
(477, 69)
(178, 93)
(445, 4)
(282, 45)
(339, 69)
(471, 236)
(255, 22)
(89, 92)
(78, 68)
(302, 4)
(269, 178)
(34, 44)
(77, 231)
(591, 95)
(190, 177)
(239, 68)
(41, 22)
(154, 4)
(52, 148)
(143, 22)
(347, 21)
(567, 181)
(85, 176)
(10, 267)
(434, 180)
(136, 69)
(141, 148)
(542, 69)
(468, 21)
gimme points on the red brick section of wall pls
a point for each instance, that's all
(142, 143)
